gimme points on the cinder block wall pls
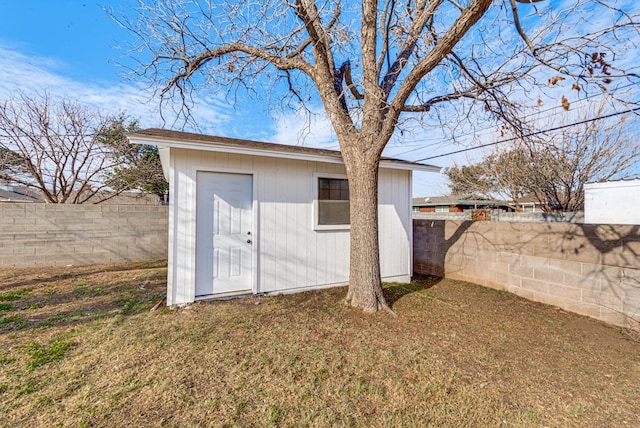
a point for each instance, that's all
(592, 270)
(61, 234)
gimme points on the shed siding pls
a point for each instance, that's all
(394, 222)
(288, 253)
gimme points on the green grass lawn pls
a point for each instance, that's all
(80, 347)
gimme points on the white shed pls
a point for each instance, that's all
(253, 217)
(612, 202)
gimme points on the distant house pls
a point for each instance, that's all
(456, 204)
(538, 203)
(249, 217)
(9, 193)
(612, 202)
(530, 203)
(535, 203)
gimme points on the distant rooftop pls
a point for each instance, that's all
(430, 201)
(21, 194)
(10, 193)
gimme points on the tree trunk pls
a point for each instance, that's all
(365, 284)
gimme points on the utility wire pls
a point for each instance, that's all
(530, 134)
(420, 144)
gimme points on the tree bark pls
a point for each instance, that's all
(365, 282)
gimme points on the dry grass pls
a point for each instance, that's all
(79, 347)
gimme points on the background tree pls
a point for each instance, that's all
(469, 179)
(555, 166)
(53, 146)
(73, 153)
(370, 64)
(136, 166)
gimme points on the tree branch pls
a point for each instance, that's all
(535, 51)
(442, 48)
(200, 60)
(409, 45)
(319, 37)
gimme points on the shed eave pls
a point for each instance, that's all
(223, 148)
(211, 147)
(408, 166)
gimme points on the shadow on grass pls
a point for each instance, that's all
(74, 271)
(395, 291)
(94, 294)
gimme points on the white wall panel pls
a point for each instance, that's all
(612, 202)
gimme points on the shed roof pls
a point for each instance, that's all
(608, 184)
(187, 140)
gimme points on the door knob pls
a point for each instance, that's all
(248, 241)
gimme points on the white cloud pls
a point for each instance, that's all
(301, 127)
(20, 72)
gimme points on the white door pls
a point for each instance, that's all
(224, 218)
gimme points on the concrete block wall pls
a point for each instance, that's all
(592, 270)
(61, 234)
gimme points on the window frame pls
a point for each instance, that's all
(316, 205)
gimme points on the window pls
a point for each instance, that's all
(333, 202)
(442, 208)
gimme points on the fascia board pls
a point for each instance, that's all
(409, 166)
(212, 147)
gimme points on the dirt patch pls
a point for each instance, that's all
(80, 347)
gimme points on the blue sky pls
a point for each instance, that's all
(76, 35)
(68, 47)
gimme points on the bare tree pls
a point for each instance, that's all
(501, 174)
(558, 166)
(554, 166)
(54, 147)
(371, 64)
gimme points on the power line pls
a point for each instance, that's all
(420, 144)
(530, 134)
